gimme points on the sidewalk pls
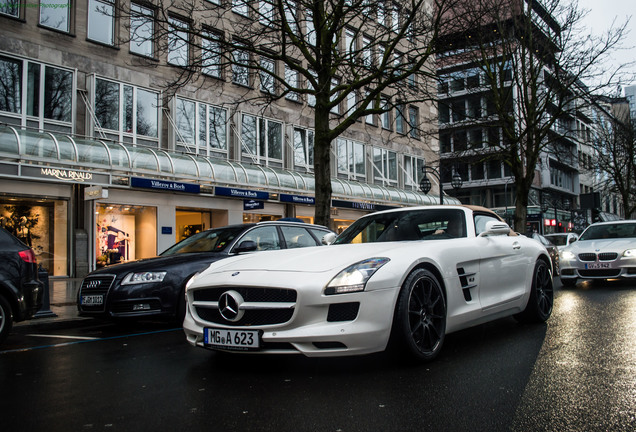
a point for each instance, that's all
(63, 303)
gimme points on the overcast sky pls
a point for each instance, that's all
(601, 16)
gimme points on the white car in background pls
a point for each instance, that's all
(408, 276)
(605, 250)
(561, 240)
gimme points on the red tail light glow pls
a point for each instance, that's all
(28, 256)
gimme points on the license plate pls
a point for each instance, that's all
(89, 300)
(231, 339)
(595, 266)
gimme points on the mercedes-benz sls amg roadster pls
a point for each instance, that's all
(400, 278)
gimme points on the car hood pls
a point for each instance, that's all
(602, 245)
(162, 263)
(310, 259)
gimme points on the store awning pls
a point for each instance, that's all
(23, 146)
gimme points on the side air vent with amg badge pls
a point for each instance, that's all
(467, 280)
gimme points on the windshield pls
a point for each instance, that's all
(214, 240)
(559, 240)
(406, 226)
(609, 231)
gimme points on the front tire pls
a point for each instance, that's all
(419, 324)
(6, 318)
(539, 307)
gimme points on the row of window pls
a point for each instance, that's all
(34, 93)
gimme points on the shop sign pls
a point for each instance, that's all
(360, 205)
(95, 192)
(68, 175)
(240, 193)
(253, 205)
(166, 230)
(297, 199)
(164, 185)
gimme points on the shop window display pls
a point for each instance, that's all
(42, 225)
(118, 227)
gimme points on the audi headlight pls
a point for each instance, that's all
(567, 255)
(354, 278)
(629, 253)
(143, 277)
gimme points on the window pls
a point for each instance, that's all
(400, 121)
(296, 237)
(201, 126)
(46, 90)
(266, 238)
(127, 113)
(10, 7)
(367, 51)
(350, 44)
(304, 148)
(351, 159)
(262, 140)
(414, 122)
(267, 75)
(380, 13)
(413, 171)
(240, 70)
(310, 31)
(369, 118)
(494, 169)
(395, 17)
(266, 12)
(386, 115)
(178, 43)
(384, 167)
(291, 78)
(240, 7)
(141, 30)
(291, 12)
(311, 98)
(352, 101)
(101, 21)
(55, 14)
(211, 60)
(334, 83)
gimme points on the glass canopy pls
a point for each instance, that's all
(27, 146)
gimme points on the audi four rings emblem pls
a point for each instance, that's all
(93, 284)
(230, 306)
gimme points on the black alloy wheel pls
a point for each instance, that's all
(541, 301)
(420, 318)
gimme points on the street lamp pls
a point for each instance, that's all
(425, 183)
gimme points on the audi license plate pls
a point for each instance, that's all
(92, 300)
(232, 339)
(595, 266)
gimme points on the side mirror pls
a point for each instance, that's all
(572, 238)
(329, 238)
(246, 246)
(495, 228)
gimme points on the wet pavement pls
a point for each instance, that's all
(62, 303)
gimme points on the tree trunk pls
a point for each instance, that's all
(322, 167)
(521, 207)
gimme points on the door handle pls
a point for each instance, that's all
(516, 245)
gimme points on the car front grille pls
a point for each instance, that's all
(268, 306)
(96, 285)
(603, 256)
(602, 273)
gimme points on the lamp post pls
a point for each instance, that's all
(425, 183)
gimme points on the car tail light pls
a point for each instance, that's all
(28, 256)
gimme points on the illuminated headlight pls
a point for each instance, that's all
(629, 253)
(354, 278)
(143, 277)
(567, 255)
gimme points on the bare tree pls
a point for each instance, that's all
(614, 146)
(540, 68)
(340, 60)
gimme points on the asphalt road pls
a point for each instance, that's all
(576, 373)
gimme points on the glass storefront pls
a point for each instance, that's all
(191, 222)
(125, 233)
(259, 217)
(42, 224)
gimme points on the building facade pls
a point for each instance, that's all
(97, 156)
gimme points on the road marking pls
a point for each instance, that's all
(62, 336)
(87, 341)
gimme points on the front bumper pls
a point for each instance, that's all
(313, 329)
(619, 268)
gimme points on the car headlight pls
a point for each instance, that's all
(354, 278)
(567, 255)
(629, 253)
(143, 277)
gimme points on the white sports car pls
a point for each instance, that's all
(408, 276)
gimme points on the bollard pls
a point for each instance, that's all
(45, 311)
